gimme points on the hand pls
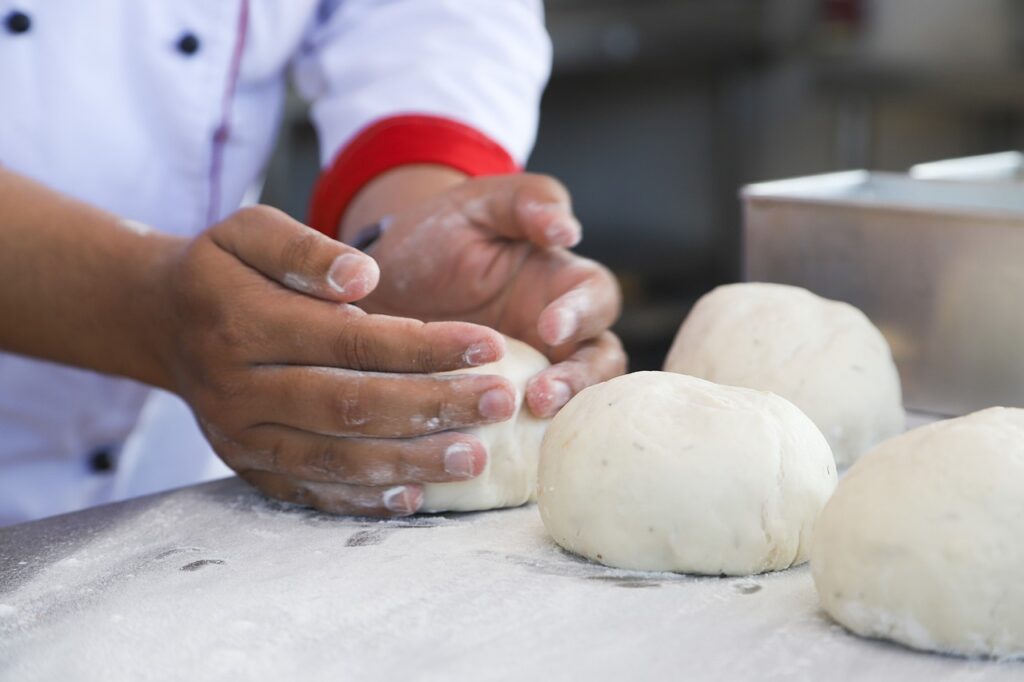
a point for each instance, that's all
(307, 397)
(494, 251)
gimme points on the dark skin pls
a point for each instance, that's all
(306, 395)
(498, 256)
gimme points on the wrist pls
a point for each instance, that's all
(154, 314)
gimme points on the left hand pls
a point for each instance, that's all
(494, 251)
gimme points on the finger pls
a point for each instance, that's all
(594, 362)
(339, 498)
(526, 206)
(310, 332)
(337, 402)
(583, 312)
(296, 256)
(439, 458)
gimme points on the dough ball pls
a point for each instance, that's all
(513, 446)
(665, 472)
(921, 543)
(824, 356)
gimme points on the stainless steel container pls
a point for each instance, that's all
(1001, 167)
(938, 266)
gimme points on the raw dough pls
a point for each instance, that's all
(666, 472)
(513, 446)
(825, 356)
(921, 543)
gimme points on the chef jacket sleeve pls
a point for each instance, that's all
(393, 82)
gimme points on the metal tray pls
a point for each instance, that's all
(1001, 167)
(938, 266)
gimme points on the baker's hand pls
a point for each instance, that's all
(307, 397)
(495, 251)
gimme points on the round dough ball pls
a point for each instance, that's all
(513, 446)
(921, 542)
(824, 356)
(666, 472)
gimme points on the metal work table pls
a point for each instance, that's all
(216, 582)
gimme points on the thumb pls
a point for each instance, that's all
(296, 256)
(524, 206)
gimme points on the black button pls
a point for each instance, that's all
(188, 44)
(18, 22)
(101, 461)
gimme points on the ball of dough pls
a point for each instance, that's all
(824, 356)
(666, 472)
(513, 446)
(921, 542)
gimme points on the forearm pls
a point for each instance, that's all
(80, 286)
(393, 192)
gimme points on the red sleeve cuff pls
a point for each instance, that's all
(398, 141)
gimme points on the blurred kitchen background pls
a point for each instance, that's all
(659, 110)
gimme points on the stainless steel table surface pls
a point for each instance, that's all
(215, 582)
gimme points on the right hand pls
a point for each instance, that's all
(306, 396)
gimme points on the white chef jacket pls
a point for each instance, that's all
(165, 112)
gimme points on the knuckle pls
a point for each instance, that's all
(340, 499)
(422, 459)
(228, 335)
(230, 451)
(300, 495)
(426, 358)
(349, 410)
(299, 251)
(217, 391)
(276, 456)
(620, 365)
(443, 410)
(212, 328)
(276, 487)
(606, 281)
(356, 346)
(542, 183)
(618, 360)
(380, 468)
(551, 182)
(406, 464)
(255, 216)
(329, 463)
(604, 287)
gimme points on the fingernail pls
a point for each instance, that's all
(401, 500)
(479, 354)
(565, 232)
(350, 274)
(459, 460)
(566, 322)
(496, 404)
(560, 394)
